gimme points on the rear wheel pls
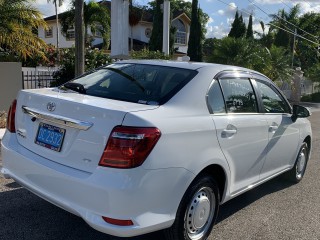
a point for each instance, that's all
(297, 172)
(197, 212)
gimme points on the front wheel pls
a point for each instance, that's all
(197, 212)
(297, 172)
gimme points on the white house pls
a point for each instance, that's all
(65, 40)
(141, 32)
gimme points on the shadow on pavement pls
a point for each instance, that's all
(26, 216)
(244, 200)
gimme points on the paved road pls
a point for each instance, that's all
(275, 210)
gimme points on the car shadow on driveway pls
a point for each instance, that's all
(26, 216)
(234, 205)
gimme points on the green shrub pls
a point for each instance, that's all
(314, 97)
(146, 54)
(93, 58)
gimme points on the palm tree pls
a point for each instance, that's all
(84, 16)
(273, 62)
(96, 17)
(18, 20)
(56, 4)
(277, 65)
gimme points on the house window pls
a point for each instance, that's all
(48, 33)
(181, 32)
(98, 31)
(70, 34)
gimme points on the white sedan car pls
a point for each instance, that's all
(139, 146)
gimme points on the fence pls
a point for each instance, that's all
(37, 78)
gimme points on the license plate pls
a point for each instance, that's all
(50, 136)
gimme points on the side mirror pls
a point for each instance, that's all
(300, 112)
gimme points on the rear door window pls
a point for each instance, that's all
(139, 83)
(239, 95)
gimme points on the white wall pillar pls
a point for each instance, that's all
(166, 27)
(119, 28)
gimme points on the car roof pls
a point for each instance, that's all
(215, 68)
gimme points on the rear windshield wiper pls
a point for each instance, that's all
(127, 76)
(77, 87)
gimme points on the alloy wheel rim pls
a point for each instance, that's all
(301, 165)
(200, 212)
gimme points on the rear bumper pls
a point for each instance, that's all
(149, 198)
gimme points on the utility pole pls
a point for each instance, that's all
(79, 38)
(293, 47)
(166, 27)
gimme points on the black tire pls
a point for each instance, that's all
(197, 211)
(296, 174)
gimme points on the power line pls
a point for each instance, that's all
(285, 4)
(288, 31)
(251, 1)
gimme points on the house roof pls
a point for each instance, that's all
(53, 17)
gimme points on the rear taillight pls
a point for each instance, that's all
(128, 147)
(11, 125)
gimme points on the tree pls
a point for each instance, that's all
(79, 38)
(56, 4)
(179, 6)
(278, 64)
(282, 36)
(307, 52)
(18, 19)
(155, 43)
(238, 27)
(196, 35)
(273, 62)
(314, 73)
(96, 17)
(249, 34)
(284, 22)
(209, 46)
(265, 39)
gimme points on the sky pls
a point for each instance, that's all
(221, 12)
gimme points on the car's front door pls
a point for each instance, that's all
(242, 132)
(283, 132)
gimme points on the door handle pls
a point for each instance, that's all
(274, 127)
(229, 131)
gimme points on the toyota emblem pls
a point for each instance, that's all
(51, 106)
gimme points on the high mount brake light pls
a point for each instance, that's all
(128, 147)
(11, 125)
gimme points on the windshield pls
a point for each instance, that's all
(139, 83)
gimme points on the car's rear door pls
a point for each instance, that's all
(242, 132)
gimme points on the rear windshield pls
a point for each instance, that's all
(139, 83)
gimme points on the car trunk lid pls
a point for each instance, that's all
(67, 127)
